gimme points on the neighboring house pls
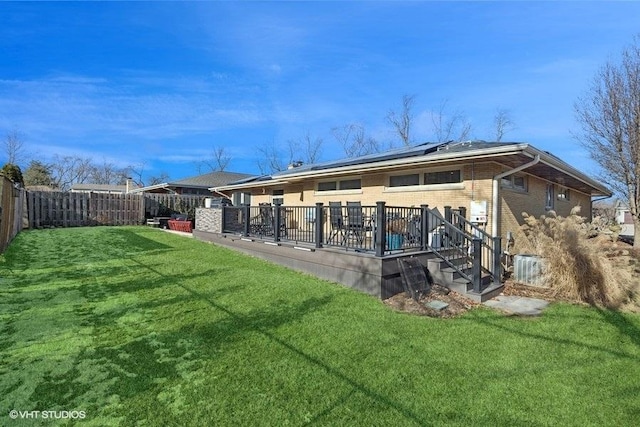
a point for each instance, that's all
(196, 185)
(99, 188)
(623, 214)
(496, 182)
(40, 188)
(624, 218)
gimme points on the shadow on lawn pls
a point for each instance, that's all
(517, 329)
(622, 323)
(265, 320)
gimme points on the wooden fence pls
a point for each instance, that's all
(12, 202)
(66, 209)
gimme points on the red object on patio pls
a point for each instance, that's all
(178, 225)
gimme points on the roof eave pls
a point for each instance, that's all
(571, 171)
(388, 164)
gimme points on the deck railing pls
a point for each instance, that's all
(380, 230)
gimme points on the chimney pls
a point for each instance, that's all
(129, 185)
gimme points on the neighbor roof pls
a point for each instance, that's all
(99, 187)
(511, 154)
(207, 180)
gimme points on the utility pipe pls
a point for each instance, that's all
(496, 195)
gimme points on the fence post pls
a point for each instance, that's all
(277, 219)
(424, 227)
(497, 260)
(247, 220)
(319, 225)
(477, 264)
(381, 219)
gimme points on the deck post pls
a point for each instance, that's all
(477, 264)
(497, 261)
(463, 211)
(424, 227)
(381, 219)
(277, 220)
(448, 216)
(246, 212)
(319, 225)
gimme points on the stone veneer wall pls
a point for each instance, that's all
(209, 219)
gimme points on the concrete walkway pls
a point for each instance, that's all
(520, 306)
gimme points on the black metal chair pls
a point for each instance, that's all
(336, 221)
(355, 221)
(264, 222)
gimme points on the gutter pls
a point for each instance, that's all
(496, 188)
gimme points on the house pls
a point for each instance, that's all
(99, 188)
(624, 218)
(196, 185)
(495, 182)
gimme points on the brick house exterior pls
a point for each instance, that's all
(506, 178)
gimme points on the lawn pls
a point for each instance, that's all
(135, 326)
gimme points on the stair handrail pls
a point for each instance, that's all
(463, 244)
(491, 245)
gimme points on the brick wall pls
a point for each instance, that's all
(533, 201)
(477, 184)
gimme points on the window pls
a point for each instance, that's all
(404, 180)
(563, 193)
(350, 184)
(550, 197)
(277, 197)
(442, 177)
(327, 186)
(517, 182)
(345, 184)
(240, 199)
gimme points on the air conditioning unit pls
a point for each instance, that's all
(528, 269)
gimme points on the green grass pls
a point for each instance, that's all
(139, 327)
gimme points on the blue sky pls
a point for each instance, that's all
(163, 83)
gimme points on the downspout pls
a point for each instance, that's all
(496, 187)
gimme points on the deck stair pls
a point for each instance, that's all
(446, 275)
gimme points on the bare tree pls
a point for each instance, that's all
(108, 173)
(354, 141)
(609, 116)
(69, 170)
(270, 159)
(502, 123)
(446, 127)
(137, 174)
(14, 148)
(402, 121)
(158, 179)
(219, 161)
(305, 150)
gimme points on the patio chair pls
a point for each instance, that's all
(355, 221)
(266, 221)
(263, 224)
(336, 221)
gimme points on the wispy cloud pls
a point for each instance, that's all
(159, 108)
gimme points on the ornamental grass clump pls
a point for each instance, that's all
(576, 268)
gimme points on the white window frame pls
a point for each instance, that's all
(550, 197)
(277, 195)
(426, 187)
(509, 182)
(338, 191)
(564, 194)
